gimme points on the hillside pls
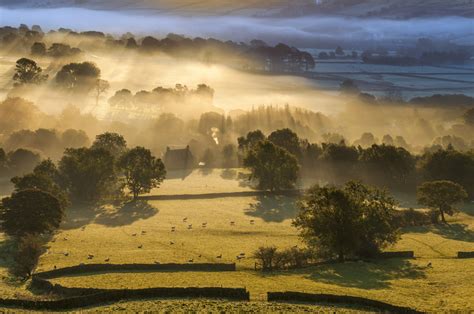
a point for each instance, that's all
(394, 9)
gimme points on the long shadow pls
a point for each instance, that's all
(126, 214)
(229, 174)
(273, 208)
(459, 232)
(367, 275)
(179, 174)
(78, 216)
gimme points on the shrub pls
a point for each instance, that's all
(26, 257)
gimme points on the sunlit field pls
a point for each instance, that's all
(143, 234)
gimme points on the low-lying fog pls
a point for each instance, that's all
(301, 31)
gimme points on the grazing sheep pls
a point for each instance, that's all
(219, 256)
(190, 226)
(429, 265)
(134, 235)
(191, 261)
(171, 242)
(185, 219)
(232, 223)
(173, 229)
(107, 260)
(242, 254)
(140, 246)
(157, 263)
(200, 256)
(143, 232)
(90, 256)
(252, 222)
(55, 267)
(65, 239)
(66, 254)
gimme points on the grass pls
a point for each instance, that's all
(108, 233)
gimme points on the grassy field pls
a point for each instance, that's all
(116, 234)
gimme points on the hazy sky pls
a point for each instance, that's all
(299, 31)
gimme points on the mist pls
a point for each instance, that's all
(301, 32)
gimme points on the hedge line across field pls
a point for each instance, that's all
(107, 296)
(338, 299)
(93, 268)
(466, 254)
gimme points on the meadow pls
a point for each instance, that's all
(142, 233)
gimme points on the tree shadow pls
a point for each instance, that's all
(229, 174)
(363, 275)
(78, 216)
(273, 208)
(459, 232)
(205, 171)
(179, 174)
(127, 214)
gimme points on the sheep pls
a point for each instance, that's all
(185, 219)
(134, 235)
(157, 263)
(107, 260)
(66, 254)
(191, 261)
(252, 222)
(219, 256)
(171, 242)
(232, 223)
(190, 226)
(140, 246)
(143, 232)
(65, 239)
(90, 256)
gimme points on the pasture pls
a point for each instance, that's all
(223, 228)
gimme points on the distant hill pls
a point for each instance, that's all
(393, 9)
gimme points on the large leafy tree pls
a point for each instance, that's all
(28, 71)
(79, 77)
(354, 220)
(114, 143)
(142, 170)
(287, 139)
(29, 249)
(441, 196)
(252, 138)
(89, 174)
(274, 167)
(30, 212)
(45, 177)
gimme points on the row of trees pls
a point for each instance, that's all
(74, 77)
(381, 165)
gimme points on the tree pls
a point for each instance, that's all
(339, 51)
(101, 87)
(287, 139)
(78, 77)
(354, 220)
(27, 255)
(114, 143)
(441, 196)
(388, 164)
(30, 211)
(143, 171)
(272, 166)
(450, 165)
(45, 177)
(88, 174)
(469, 117)
(28, 72)
(252, 138)
(38, 49)
(22, 160)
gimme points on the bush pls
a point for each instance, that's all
(270, 258)
(26, 256)
(412, 218)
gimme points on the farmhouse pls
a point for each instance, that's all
(177, 158)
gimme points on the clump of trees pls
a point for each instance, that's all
(270, 258)
(350, 221)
